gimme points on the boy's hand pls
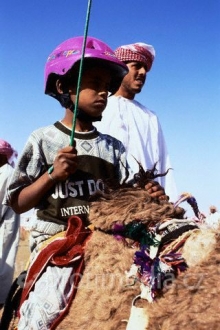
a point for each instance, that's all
(154, 189)
(65, 163)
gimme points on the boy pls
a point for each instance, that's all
(76, 174)
(78, 171)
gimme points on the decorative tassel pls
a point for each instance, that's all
(192, 202)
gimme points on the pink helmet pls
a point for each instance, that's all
(69, 52)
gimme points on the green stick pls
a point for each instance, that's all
(80, 72)
(79, 77)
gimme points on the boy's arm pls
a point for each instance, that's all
(65, 164)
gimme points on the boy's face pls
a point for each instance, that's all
(93, 90)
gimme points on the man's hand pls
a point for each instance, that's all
(154, 189)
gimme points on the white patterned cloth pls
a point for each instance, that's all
(48, 299)
(100, 158)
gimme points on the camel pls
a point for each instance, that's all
(107, 298)
(147, 266)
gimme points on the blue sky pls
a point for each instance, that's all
(183, 87)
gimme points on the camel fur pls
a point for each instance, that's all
(192, 301)
(105, 293)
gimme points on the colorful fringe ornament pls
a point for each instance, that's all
(136, 231)
(151, 272)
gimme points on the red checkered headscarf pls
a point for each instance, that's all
(138, 52)
(8, 151)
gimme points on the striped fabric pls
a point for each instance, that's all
(138, 52)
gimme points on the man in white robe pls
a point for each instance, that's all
(132, 123)
(213, 219)
(9, 223)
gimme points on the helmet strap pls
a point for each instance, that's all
(65, 100)
(81, 115)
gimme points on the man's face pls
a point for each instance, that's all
(135, 79)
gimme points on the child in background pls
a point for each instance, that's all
(78, 172)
